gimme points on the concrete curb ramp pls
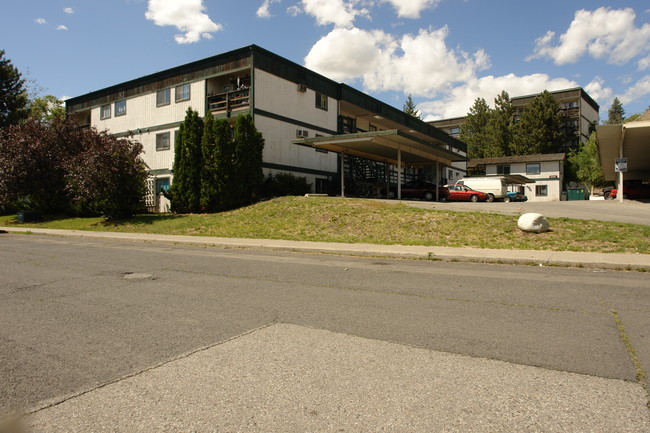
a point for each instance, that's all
(588, 259)
(288, 378)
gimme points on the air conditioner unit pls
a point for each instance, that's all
(302, 87)
(302, 133)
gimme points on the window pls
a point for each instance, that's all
(321, 101)
(105, 112)
(183, 92)
(503, 169)
(162, 141)
(533, 168)
(454, 132)
(120, 108)
(162, 184)
(163, 97)
(541, 190)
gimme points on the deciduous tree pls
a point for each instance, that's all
(584, 163)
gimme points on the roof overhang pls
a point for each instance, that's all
(384, 146)
(634, 140)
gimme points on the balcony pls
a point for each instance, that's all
(229, 100)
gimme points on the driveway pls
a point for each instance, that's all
(629, 211)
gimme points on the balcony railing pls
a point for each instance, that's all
(228, 101)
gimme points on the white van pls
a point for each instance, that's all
(494, 186)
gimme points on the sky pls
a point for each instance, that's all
(445, 53)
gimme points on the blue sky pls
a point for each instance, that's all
(446, 53)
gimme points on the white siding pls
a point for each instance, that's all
(142, 113)
(282, 97)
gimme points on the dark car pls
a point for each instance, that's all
(632, 189)
(418, 189)
(464, 193)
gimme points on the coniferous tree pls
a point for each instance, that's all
(247, 175)
(209, 174)
(616, 113)
(223, 159)
(474, 132)
(540, 128)
(13, 95)
(185, 192)
(409, 108)
(499, 127)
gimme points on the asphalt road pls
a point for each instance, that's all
(78, 314)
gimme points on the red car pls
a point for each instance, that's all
(465, 193)
(632, 189)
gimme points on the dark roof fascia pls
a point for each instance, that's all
(543, 157)
(583, 94)
(162, 75)
(374, 105)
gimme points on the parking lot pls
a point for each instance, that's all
(629, 211)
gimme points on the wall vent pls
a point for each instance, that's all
(302, 133)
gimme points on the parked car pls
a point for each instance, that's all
(418, 189)
(514, 196)
(632, 189)
(495, 186)
(465, 193)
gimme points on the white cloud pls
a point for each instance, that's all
(457, 101)
(263, 11)
(639, 90)
(68, 11)
(598, 92)
(418, 64)
(186, 15)
(603, 33)
(61, 27)
(411, 8)
(337, 12)
(40, 21)
(644, 63)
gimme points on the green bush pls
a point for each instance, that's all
(283, 184)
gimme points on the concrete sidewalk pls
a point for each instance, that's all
(540, 257)
(286, 378)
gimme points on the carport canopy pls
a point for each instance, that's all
(390, 146)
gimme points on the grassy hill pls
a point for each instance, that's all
(369, 221)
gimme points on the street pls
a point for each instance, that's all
(78, 314)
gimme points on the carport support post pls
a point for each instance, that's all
(620, 191)
(437, 180)
(399, 173)
(342, 174)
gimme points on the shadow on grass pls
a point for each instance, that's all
(140, 220)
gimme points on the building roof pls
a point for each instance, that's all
(543, 157)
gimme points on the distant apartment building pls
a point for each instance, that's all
(290, 105)
(579, 109)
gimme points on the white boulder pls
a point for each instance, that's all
(533, 222)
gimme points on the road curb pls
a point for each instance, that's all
(529, 257)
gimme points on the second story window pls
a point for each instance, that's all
(533, 168)
(105, 111)
(120, 108)
(183, 92)
(321, 101)
(163, 97)
(503, 169)
(162, 141)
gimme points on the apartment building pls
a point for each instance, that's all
(579, 109)
(290, 105)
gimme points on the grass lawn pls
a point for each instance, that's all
(368, 221)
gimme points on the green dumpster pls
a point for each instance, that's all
(576, 194)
